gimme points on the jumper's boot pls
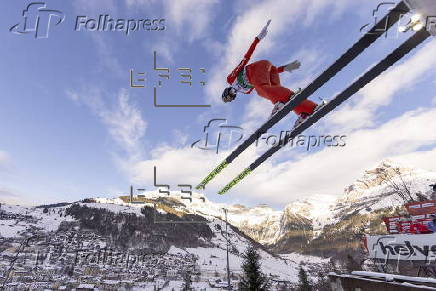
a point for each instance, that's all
(277, 107)
(303, 116)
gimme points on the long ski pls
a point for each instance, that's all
(364, 42)
(366, 78)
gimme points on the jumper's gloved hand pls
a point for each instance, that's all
(264, 31)
(292, 66)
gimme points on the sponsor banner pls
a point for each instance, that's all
(392, 223)
(413, 224)
(417, 208)
(418, 247)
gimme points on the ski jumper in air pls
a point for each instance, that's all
(264, 78)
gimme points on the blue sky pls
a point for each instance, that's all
(71, 126)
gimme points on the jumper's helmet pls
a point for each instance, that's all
(229, 94)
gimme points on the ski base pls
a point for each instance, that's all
(235, 181)
(212, 174)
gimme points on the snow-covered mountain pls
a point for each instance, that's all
(378, 187)
(56, 237)
(321, 225)
(300, 222)
(381, 191)
(384, 188)
(375, 190)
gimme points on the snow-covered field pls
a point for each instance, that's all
(44, 221)
(11, 228)
(214, 259)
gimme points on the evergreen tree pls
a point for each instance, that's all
(303, 283)
(252, 278)
(187, 281)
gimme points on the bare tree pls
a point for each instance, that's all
(397, 183)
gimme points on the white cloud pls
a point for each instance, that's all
(328, 171)
(382, 90)
(123, 121)
(325, 172)
(180, 137)
(126, 126)
(256, 112)
(420, 159)
(92, 98)
(191, 18)
(174, 166)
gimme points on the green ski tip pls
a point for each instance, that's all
(212, 175)
(236, 180)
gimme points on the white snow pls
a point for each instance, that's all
(392, 277)
(299, 258)
(214, 259)
(11, 228)
(283, 269)
(45, 221)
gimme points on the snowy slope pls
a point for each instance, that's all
(17, 220)
(212, 259)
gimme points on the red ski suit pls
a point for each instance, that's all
(264, 77)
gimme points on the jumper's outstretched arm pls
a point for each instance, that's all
(289, 67)
(231, 78)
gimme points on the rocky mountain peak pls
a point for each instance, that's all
(375, 177)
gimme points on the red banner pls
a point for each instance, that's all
(425, 207)
(412, 224)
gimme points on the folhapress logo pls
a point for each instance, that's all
(37, 19)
